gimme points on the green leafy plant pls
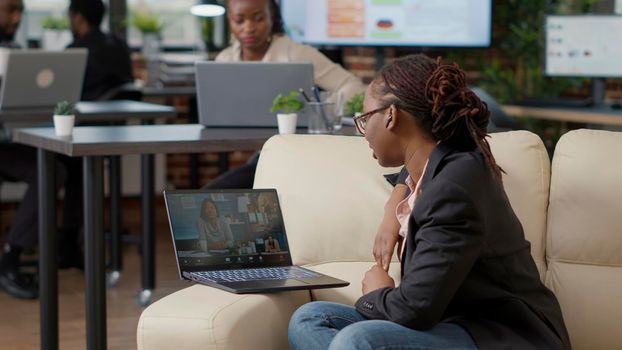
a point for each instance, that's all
(147, 23)
(287, 103)
(355, 104)
(55, 23)
(64, 108)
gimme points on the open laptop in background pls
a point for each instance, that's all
(245, 250)
(241, 94)
(37, 79)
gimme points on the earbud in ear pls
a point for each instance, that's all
(388, 121)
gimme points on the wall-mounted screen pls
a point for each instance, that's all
(584, 46)
(423, 23)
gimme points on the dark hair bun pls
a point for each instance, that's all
(455, 108)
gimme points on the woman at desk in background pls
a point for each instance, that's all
(214, 231)
(468, 279)
(258, 29)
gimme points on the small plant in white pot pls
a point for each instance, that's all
(64, 118)
(287, 105)
(150, 26)
(354, 106)
(56, 34)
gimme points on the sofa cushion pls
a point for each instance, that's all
(331, 191)
(201, 317)
(524, 159)
(584, 237)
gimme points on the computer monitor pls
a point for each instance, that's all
(584, 46)
(422, 23)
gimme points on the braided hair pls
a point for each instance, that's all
(277, 19)
(438, 96)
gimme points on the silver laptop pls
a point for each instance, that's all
(235, 240)
(40, 79)
(241, 94)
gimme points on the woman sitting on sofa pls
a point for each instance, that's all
(259, 36)
(468, 279)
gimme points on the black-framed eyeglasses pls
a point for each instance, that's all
(361, 120)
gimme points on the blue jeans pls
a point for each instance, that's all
(324, 325)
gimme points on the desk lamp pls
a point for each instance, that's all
(208, 8)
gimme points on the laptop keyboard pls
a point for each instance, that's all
(266, 273)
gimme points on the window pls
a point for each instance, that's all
(181, 28)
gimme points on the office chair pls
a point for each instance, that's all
(1, 221)
(127, 91)
(499, 120)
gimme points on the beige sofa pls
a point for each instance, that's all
(332, 194)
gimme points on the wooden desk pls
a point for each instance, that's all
(96, 111)
(92, 144)
(604, 115)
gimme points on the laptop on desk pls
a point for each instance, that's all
(37, 79)
(235, 240)
(241, 94)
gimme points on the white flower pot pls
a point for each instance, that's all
(63, 124)
(287, 123)
(55, 40)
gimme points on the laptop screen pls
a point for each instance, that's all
(222, 85)
(227, 229)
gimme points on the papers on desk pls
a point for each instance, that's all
(178, 69)
(182, 59)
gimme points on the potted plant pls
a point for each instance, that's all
(64, 118)
(354, 106)
(150, 25)
(56, 34)
(287, 105)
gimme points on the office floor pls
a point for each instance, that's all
(19, 320)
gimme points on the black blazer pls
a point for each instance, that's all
(466, 261)
(108, 64)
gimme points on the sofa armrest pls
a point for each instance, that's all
(201, 317)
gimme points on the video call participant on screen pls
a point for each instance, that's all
(271, 245)
(214, 231)
(468, 278)
(108, 64)
(19, 163)
(259, 36)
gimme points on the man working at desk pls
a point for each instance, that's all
(109, 64)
